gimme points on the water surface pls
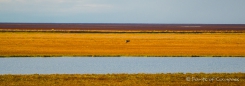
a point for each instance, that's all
(101, 65)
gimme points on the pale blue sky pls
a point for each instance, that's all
(123, 11)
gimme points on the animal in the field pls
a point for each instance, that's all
(127, 41)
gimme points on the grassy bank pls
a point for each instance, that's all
(41, 44)
(176, 79)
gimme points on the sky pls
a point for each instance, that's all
(123, 11)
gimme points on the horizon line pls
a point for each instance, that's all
(119, 23)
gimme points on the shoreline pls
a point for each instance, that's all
(116, 56)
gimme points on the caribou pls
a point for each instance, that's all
(127, 41)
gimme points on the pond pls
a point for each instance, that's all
(102, 65)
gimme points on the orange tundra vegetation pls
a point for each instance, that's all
(167, 79)
(35, 44)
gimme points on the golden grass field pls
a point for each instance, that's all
(168, 79)
(41, 44)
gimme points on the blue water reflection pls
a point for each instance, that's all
(119, 65)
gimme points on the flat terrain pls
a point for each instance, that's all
(172, 79)
(114, 44)
(122, 27)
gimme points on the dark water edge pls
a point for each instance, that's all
(105, 65)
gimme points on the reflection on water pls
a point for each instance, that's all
(119, 65)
